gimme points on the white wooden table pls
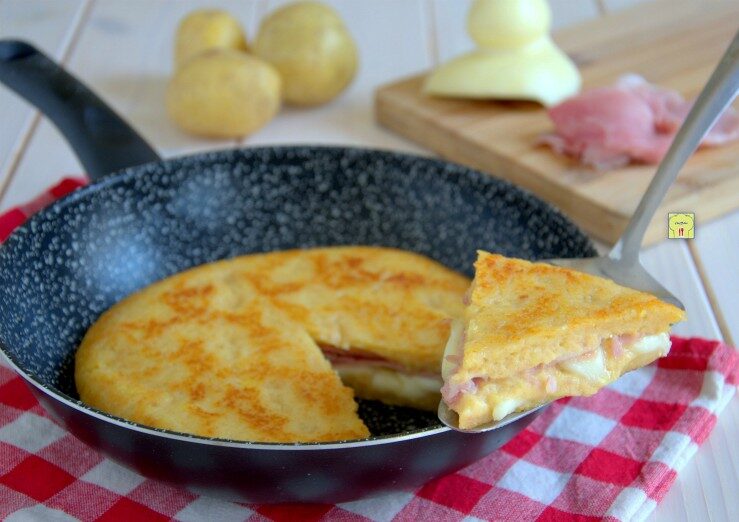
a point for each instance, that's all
(122, 49)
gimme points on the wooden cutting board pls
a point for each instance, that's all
(673, 43)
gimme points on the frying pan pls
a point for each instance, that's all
(144, 218)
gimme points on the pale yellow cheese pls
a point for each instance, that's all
(495, 400)
(391, 386)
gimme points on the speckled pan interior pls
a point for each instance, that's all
(75, 259)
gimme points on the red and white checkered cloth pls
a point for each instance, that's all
(613, 455)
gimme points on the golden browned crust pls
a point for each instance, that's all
(384, 301)
(203, 353)
(523, 314)
(222, 350)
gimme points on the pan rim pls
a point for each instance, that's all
(128, 173)
(213, 441)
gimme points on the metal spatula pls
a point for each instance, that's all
(622, 262)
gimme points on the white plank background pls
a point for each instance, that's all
(50, 24)
(122, 49)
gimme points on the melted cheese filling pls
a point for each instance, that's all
(582, 374)
(453, 350)
(387, 380)
(391, 386)
(592, 367)
(373, 377)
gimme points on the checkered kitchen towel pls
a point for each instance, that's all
(613, 455)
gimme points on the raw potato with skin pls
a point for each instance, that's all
(223, 94)
(207, 29)
(309, 45)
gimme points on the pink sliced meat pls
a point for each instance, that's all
(632, 121)
(340, 357)
(668, 107)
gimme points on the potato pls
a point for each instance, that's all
(207, 29)
(223, 93)
(309, 45)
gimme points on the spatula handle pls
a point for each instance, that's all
(714, 98)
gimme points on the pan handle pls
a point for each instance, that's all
(102, 140)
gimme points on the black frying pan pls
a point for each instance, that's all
(144, 219)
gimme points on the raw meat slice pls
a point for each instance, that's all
(631, 121)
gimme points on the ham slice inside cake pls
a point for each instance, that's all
(374, 377)
(570, 374)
